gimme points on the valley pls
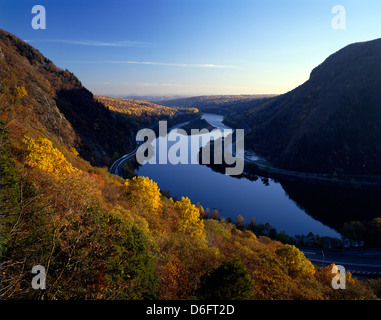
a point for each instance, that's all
(74, 201)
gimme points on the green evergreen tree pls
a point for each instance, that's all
(230, 281)
(141, 267)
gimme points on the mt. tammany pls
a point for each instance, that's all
(331, 123)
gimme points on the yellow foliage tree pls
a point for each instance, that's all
(43, 155)
(144, 193)
(21, 92)
(130, 219)
(295, 263)
(188, 220)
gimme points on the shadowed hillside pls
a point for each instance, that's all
(331, 123)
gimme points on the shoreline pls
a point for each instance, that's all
(346, 181)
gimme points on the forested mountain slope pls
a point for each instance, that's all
(52, 102)
(331, 123)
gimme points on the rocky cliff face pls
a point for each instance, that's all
(1, 55)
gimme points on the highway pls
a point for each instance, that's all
(272, 172)
(116, 167)
(360, 262)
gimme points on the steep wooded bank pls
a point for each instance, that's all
(45, 100)
(331, 123)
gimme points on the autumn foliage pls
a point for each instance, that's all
(43, 155)
(188, 220)
(137, 108)
(103, 237)
(143, 192)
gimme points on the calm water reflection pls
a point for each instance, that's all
(266, 202)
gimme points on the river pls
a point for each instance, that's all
(297, 211)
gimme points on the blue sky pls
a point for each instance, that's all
(192, 47)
